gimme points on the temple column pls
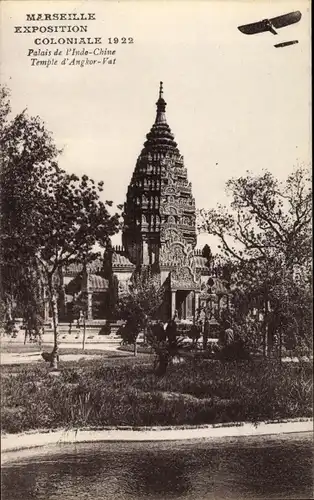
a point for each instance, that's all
(196, 301)
(173, 303)
(89, 305)
(145, 253)
(188, 313)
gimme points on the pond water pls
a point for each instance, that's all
(265, 467)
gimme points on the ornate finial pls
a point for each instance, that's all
(161, 90)
(161, 106)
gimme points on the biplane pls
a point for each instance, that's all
(272, 25)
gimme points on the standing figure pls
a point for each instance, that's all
(205, 333)
(171, 333)
(229, 334)
(226, 341)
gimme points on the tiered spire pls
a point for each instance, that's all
(160, 136)
(159, 198)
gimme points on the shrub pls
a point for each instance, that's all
(196, 392)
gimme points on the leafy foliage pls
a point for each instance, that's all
(25, 147)
(49, 218)
(265, 238)
(210, 392)
(140, 305)
(268, 219)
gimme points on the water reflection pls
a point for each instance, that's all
(229, 469)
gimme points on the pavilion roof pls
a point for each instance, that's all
(95, 282)
(121, 260)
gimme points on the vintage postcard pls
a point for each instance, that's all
(155, 258)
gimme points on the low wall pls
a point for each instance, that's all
(95, 331)
(13, 442)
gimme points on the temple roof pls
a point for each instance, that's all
(201, 262)
(160, 136)
(120, 260)
(96, 284)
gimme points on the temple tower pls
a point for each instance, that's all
(159, 204)
(159, 232)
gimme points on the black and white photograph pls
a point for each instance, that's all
(156, 250)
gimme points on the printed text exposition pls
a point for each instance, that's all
(61, 30)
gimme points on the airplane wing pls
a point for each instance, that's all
(286, 20)
(266, 24)
(286, 44)
(254, 28)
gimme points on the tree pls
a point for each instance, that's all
(29, 303)
(267, 218)
(207, 254)
(50, 218)
(26, 147)
(139, 305)
(291, 314)
(265, 235)
(69, 224)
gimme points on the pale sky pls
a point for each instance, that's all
(235, 102)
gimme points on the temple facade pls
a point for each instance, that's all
(159, 233)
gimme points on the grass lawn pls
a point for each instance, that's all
(125, 391)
